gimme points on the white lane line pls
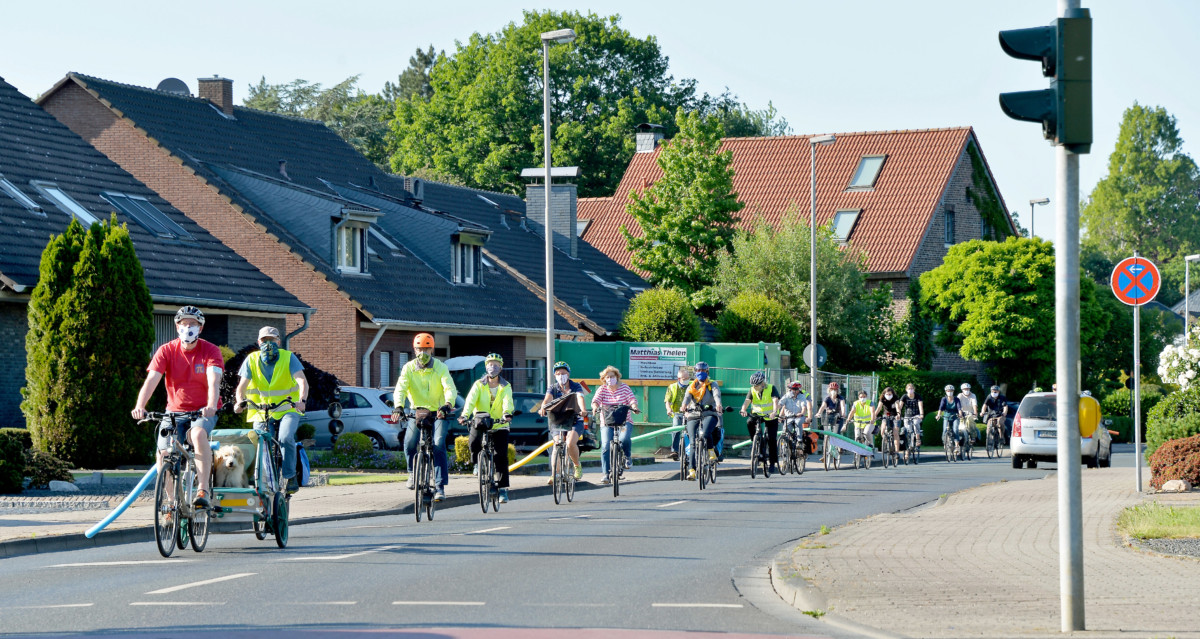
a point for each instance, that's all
(437, 603)
(163, 591)
(485, 530)
(376, 526)
(121, 563)
(320, 603)
(674, 503)
(569, 518)
(46, 607)
(338, 557)
(694, 605)
(571, 605)
(177, 603)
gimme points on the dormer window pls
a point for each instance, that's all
(350, 248)
(466, 263)
(867, 173)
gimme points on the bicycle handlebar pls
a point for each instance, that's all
(157, 417)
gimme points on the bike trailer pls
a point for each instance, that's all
(239, 503)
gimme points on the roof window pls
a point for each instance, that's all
(148, 216)
(843, 223)
(65, 203)
(16, 194)
(868, 172)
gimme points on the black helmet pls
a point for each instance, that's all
(190, 311)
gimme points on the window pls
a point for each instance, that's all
(21, 198)
(843, 223)
(349, 248)
(601, 280)
(466, 263)
(868, 172)
(949, 228)
(385, 368)
(147, 215)
(64, 202)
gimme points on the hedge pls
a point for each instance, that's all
(22, 434)
(1124, 428)
(1175, 417)
(754, 317)
(1119, 403)
(462, 454)
(930, 385)
(12, 462)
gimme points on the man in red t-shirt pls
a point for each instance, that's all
(193, 370)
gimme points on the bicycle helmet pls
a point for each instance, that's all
(494, 357)
(965, 386)
(757, 378)
(795, 385)
(423, 340)
(995, 388)
(562, 365)
(949, 388)
(190, 311)
(701, 366)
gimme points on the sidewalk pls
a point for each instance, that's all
(984, 563)
(27, 531)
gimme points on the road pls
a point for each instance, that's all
(662, 556)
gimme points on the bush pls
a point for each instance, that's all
(1175, 417)
(1176, 459)
(306, 431)
(353, 444)
(462, 455)
(1119, 403)
(22, 435)
(930, 385)
(12, 462)
(1124, 428)
(754, 317)
(42, 468)
(660, 315)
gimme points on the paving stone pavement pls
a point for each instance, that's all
(984, 563)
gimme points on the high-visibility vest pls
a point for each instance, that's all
(281, 385)
(862, 411)
(481, 400)
(763, 403)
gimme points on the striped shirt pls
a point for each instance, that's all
(607, 396)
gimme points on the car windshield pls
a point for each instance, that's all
(527, 404)
(1039, 408)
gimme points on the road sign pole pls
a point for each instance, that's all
(1137, 395)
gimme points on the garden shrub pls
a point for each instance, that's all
(42, 468)
(1175, 417)
(22, 435)
(754, 317)
(1119, 403)
(1124, 428)
(306, 431)
(354, 451)
(12, 462)
(462, 455)
(1176, 459)
(660, 315)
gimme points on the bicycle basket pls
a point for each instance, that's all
(482, 421)
(614, 415)
(563, 412)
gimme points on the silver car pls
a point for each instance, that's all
(1035, 435)
(363, 411)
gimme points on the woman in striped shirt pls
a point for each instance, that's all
(615, 396)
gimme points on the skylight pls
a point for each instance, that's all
(148, 216)
(21, 198)
(843, 223)
(868, 172)
(64, 202)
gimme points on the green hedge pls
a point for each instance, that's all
(660, 315)
(930, 385)
(1120, 402)
(22, 434)
(1175, 417)
(755, 317)
(12, 462)
(1124, 428)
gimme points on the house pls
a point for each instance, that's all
(376, 260)
(49, 175)
(902, 197)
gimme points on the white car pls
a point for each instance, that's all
(363, 411)
(1035, 435)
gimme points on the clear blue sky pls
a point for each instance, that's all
(827, 66)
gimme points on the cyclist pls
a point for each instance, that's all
(673, 400)
(949, 410)
(762, 405)
(889, 409)
(492, 395)
(703, 395)
(563, 385)
(268, 376)
(425, 383)
(613, 392)
(997, 404)
(794, 406)
(192, 368)
(863, 424)
(970, 406)
(834, 405)
(912, 405)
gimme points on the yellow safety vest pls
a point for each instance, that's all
(262, 392)
(862, 411)
(480, 400)
(674, 396)
(762, 404)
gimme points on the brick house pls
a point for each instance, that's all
(378, 256)
(48, 175)
(902, 197)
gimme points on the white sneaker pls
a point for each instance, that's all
(411, 484)
(628, 463)
(439, 495)
(475, 470)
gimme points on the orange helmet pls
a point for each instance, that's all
(423, 340)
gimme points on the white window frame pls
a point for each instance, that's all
(469, 255)
(854, 179)
(18, 195)
(359, 249)
(65, 203)
(853, 213)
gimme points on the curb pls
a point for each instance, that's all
(803, 596)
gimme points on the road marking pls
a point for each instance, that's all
(437, 603)
(376, 526)
(485, 530)
(338, 557)
(163, 591)
(177, 603)
(674, 503)
(121, 563)
(694, 605)
(568, 518)
(572, 605)
(79, 605)
(321, 603)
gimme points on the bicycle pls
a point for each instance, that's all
(489, 488)
(685, 463)
(831, 454)
(995, 434)
(701, 458)
(888, 442)
(788, 445)
(269, 484)
(912, 439)
(564, 478)
(422, 470)
(950, 443)
(176, 521)
(967, 426)
(862, 436)
(758, 449)
(616, 452)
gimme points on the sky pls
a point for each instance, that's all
(827, 66)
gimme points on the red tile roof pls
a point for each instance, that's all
(772, 174)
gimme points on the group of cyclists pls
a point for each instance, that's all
(192, 369)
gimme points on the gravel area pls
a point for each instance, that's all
(1189, 547)
(89, 497)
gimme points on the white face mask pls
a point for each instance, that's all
(833, 393)
(611, 381)
(995, 393)
(188, 334)
(561, 377)
(887, 396)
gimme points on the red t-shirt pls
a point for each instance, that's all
(186, 373)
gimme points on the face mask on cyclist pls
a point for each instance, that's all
(995, 393)
(683, 382)
(887, 395)
(561, 377)
(701, 376)
(270, 352)
(423, 357)
(832, 393)
(912, 392)
(493, 370)
(611, 381)
(188, 334)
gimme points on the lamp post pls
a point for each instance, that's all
(813, 143)
(1042, 201)
(561, 36)
(1187, 293)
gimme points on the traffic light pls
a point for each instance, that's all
(1065, 51)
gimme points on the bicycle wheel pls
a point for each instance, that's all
(826, 453)
(166, 515)
(570, 480)
(556, 472)
(485, 479)
(990, 444)
(198, 525)
(800, 459)
(785, 454)
(702, 463)
(948, 445)
(754, 455)
(279, 520)
(420, 472)
(615, 464)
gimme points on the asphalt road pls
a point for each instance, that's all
(662, 556)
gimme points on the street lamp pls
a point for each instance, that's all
(1187, 293)
(813, 143)
(1043, 202)
(561, 36)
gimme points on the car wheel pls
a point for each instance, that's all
(1093, 461)
(376, 441)
(1031, 463)
(1017, 462)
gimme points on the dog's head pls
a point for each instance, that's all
(230, 456)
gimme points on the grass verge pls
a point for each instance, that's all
(366, 478)
(1156, 521)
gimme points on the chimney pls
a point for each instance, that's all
(564, 211)
(219, 91)
(648, 136)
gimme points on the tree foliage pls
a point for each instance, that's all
(1111, 355)
(413, 82)
(1150, 198)
(995, 301)
(854, 321)
(917, 333)
(753, 317)
(660, 315)
(90, 334)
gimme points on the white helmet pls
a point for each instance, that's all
(965, 386)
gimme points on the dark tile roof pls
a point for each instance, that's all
(241, 156)
(35, 146)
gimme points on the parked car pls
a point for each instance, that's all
(1035, 435)
(363, 411)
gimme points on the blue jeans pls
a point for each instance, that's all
(288, 424)
(950, 423)
(441, 465)
(606, 437)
